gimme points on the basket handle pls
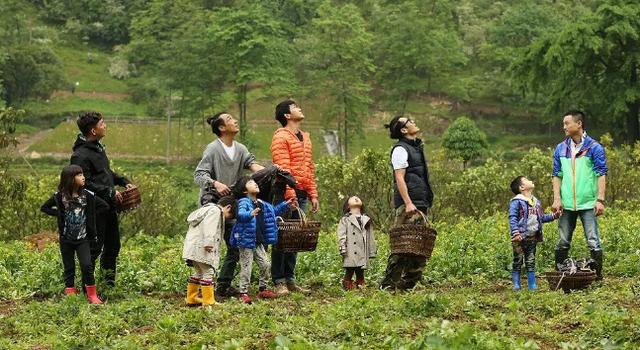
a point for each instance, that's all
(427, 222)
(302, 216)
(279, 217)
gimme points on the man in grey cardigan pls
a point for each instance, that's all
(223, 163)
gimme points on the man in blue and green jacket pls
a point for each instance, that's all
(579, 181)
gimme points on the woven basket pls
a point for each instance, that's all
(567, 282)
(414, 239)
(130, 199)
(297, 235)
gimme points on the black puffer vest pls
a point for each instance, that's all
(416, 177)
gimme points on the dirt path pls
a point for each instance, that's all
(29, 139)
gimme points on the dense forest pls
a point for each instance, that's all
(192, 57)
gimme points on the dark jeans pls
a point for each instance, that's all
(227, 271)
(283, 265)
(68, 250)
(404, 271)
(524, 252)
(108, 244)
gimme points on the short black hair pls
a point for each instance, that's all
(240, 187)
(229, 200)
(87, 121)
(515, 184)
(578, 116)
(216, 122)
(283, 108)
(363, 209)
(394, 127)
(67, 179)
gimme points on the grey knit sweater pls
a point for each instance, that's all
(216, 165)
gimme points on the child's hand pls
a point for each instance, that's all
(516, 237)
(255, 212)
(208, 249)
(292, 202)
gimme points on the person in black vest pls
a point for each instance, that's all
(412, 195)
(91, 156)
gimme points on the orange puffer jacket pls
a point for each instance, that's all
(293, 155)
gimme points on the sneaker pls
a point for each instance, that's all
(245, 298)
(267, 294)
(281, 290)
(292, 287)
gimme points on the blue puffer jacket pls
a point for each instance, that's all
(244, 230)
(519, 215)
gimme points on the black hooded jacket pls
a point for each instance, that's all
(99, 177)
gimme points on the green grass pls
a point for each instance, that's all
(92, 76)
(146, 310)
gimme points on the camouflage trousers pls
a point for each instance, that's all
(404, 271)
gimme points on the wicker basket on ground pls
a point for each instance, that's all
(568, 282)
(416, 239)
(297, 235)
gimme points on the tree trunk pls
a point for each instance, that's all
(633, 125)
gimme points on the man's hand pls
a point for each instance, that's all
(221, 188)
(208, 249)
(556, 207)
(599, 209)
(410, 209)
(255, 212)
(315, 205)
(130, 186)
(118, 196)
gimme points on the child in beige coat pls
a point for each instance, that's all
(201, 248)
(356, 242)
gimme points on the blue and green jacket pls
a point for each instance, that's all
(579, 188)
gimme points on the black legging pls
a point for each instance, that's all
(68, 250)
(349, 271)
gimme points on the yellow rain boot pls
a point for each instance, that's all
(192, 293)
(207, 294)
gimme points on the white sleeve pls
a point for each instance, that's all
(399, 158)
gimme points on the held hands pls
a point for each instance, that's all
(255, 212)
(556, 207)
(516, 237)
(292, 202)
(221, 188)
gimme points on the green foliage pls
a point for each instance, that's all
(463, 140)
(590, 62)
(336, 53)
(9, 119)
(413, 50)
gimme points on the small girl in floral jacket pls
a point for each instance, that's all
(356, 242)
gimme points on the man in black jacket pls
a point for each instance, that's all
(412, 196)
(90, 154)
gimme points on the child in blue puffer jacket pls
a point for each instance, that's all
(525, 221)
(255, 228)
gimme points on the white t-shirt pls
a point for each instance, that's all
(399, 158)
(230, 151)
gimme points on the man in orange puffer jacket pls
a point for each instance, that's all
(291, 150)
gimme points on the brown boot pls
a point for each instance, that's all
(360, 284)
(292, 287)
(281, 290)
(347, 284)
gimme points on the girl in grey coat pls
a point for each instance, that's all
(356, 242)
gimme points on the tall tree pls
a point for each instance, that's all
(415, 45)
(337, 53)
(592, 62)
(254, 49)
